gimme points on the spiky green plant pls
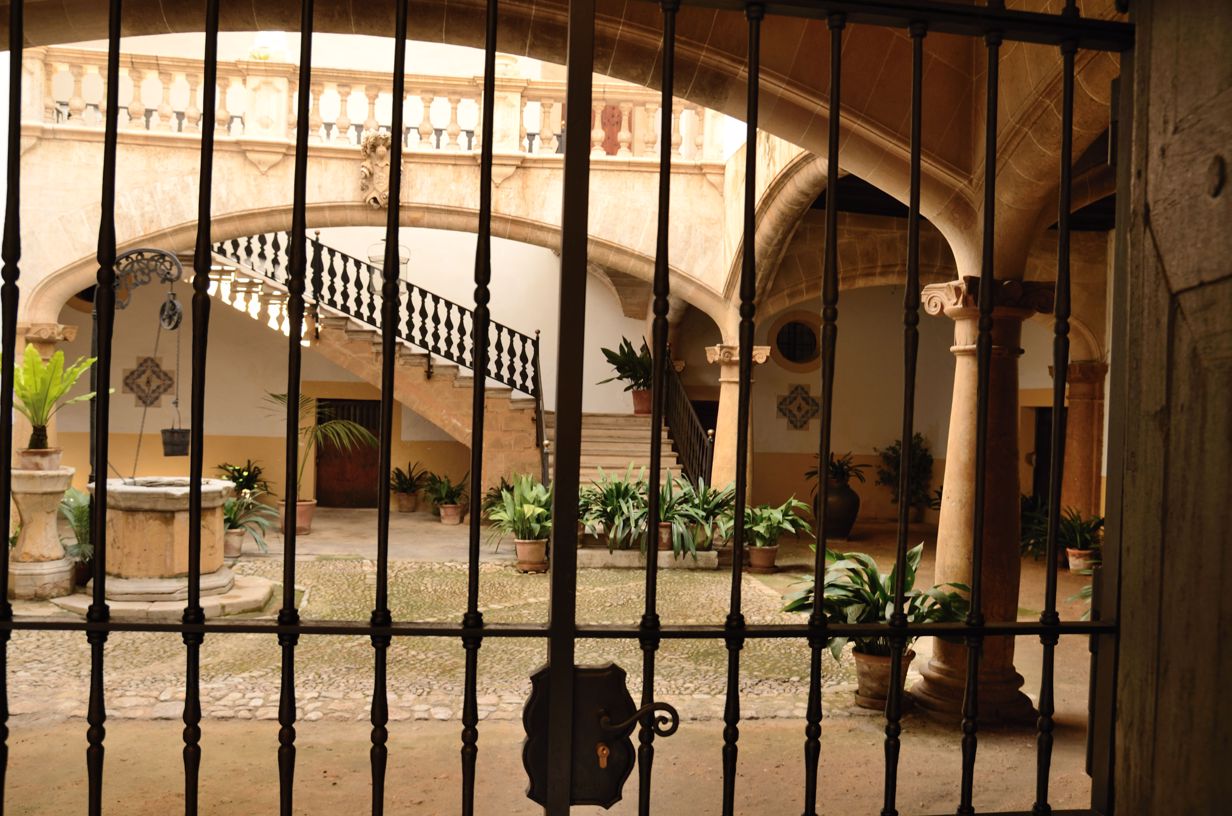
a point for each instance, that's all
(39, 389)
(764, 523)
(444, 490)
(615, 506)
(75, 507)
(710, 504)
(409, 480)
(632, 367)
(524, 510)
(246, 512)
(318, 427)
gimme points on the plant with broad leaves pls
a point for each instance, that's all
(634, 368)
(524, 510)
(764, 524)
(710, 504)
(246, 512)
(919, 478)
(75, 507)
(615, 507)
(408, 481)
(444, 490)
(319, 428)
(247, 476)
(39, 389)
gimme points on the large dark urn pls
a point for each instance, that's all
(842, 507)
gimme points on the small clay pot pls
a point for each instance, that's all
(873, 678)
(304, 512)
(39, 458)
(532, 555)
(641, 401)
(1082, 559)
(451, 513)
(761, 559)
(233, 544)
(665, 536)
(407, 502)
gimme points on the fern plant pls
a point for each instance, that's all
(39, 389)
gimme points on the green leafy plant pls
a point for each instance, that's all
(524, 510)
(443, 490)
(855, 591)
(764, 523)
(318, 427)
(710, 505)
(246, 512)
(634, 368)
(676, 508)
(918, 480)
(615, 507)
(39, 389)
(1087, 593)
(247, 476)
(492, 496)
(840, 471)
(1075, 530)
(408, 481)
(75, 507)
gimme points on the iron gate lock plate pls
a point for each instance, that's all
(604, 719)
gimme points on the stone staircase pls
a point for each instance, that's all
(613, 442)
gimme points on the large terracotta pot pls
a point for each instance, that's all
(451, 513)
(39, 458)
(304, 511)
(1082, 559)
(665, 536)
(233, 544)
(761, 559)
(842, 507)
(407, 502)
(873, 678)
(532, 555)
(641, 401)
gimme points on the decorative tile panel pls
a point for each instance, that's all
(148, 381)
(798, 407)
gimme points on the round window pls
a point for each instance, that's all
(797, 342)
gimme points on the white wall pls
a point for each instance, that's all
(525, 297)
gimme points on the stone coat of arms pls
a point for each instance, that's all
(374, 171)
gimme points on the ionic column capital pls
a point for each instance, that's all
(727, 356)
(959, 299)
(47, 334)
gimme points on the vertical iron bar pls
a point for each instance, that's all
(734, 639)
(104, 297)
(381, 618)
(480, 324)
(202, 259)
(1060, 370)
(911, 344)
(9, 294)
(562, 625)
(648, 635)
(983, 354)
(297, 263)
(829, 340)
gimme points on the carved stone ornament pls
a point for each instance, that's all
(960, 295)
(374, 171)
(726, 354)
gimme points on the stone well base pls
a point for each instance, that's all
(248, 594)
(596, 558)
(154, 590)
(41, 580)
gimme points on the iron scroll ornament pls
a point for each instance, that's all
(143, 265)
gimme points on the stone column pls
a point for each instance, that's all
(1084, 437)
(38, 568)
(723, 471)
(45, 337)
(941, 691)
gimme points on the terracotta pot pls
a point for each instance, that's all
(39, 458)
(873, 678)
(532, 555)
(304, 511)
(842, 508)
(1082, 559)
(641, 402)
(233, 543)
(451, 513)
(407, 502)
(665, 536)
(761, 559)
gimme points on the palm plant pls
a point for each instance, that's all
(634, 368)
(39, 389)
(524, 510)
(856, 592)
(615, 507)
(246, 512)
(409, 480)
(75, 507)
(318, 427)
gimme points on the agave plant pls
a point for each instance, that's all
(318, 427)
(615, 507)
(710, 504)
(856, 591)
(39, 389)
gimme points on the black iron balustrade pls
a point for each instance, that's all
(694, 443)
(346, 285)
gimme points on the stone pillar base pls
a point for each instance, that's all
(152, 590)
(41, 580)
(940, 696)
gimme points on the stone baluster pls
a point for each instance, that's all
(426, 131)
(596, 131)
(524, 134)
(292, 101)
(453, 129)
(49, 97)
(699, 132)
(676, 137)
(33, 65)
(136, 108)
(650, 141)
(222, 116)
(547, 139)
(625, 136)
(76, 100)
(342, 125)
(166, 116)
(372, 92)
(314, 113)
(192, 111)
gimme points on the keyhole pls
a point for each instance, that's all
(603, 751)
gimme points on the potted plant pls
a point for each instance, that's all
(1032, 527)
(39, 389)
(447, 496)
(842, 503)
(248, 476)
(318, 428)
(678, 518)
(709, 505)
(75, 507)
(635, 369)
(492, 496)
(405, 485)
(856, 592)
(245, 515)
(1081, 536)
(613, 509)
(919, 479)
(764, 524)
(525, 512)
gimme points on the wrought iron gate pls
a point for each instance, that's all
(571, 706)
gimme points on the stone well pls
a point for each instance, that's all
(147, 539)
(37, 567)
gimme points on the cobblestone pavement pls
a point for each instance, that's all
(49, 671)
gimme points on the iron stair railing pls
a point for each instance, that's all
(344, 284)
(693, 442)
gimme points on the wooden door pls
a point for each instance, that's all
(349, 478)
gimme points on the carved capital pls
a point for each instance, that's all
(46, 333)
(960, 298)
(726, 354)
